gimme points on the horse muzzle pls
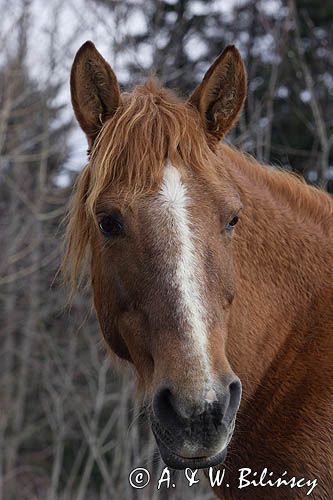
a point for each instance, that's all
(194, 436)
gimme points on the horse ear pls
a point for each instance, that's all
(94, 90)
(221, 94)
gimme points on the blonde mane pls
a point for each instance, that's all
(310, 201)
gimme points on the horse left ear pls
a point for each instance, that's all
(220, 96)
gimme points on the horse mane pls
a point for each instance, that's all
(291, 188)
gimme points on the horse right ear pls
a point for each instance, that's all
(220, 96)
(95, 90)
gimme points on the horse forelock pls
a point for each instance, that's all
(151, 126)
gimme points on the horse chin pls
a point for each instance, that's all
(175, 461)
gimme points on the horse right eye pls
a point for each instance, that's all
(111, 226)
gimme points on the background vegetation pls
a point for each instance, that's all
(69, 427)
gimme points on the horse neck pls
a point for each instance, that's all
(281, 250)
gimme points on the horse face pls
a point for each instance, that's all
(163, 285)
(161, 262)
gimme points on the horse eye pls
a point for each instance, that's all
(111, 226)
(231, 224)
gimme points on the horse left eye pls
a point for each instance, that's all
(231, 224)
(111, 226)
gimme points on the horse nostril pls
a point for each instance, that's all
(164, 407)
(235, 393)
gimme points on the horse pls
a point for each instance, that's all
(211, 274)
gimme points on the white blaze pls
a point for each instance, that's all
(174, 201)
